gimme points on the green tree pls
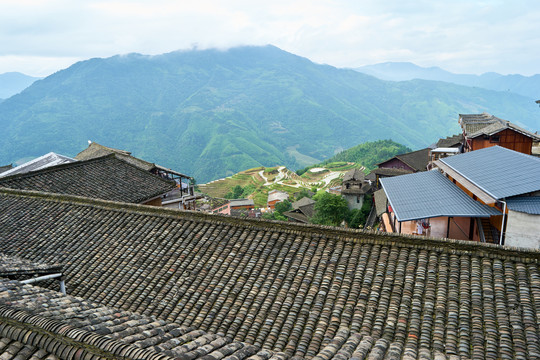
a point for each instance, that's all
(283, 206)
(302, 194)
(330, 209)
(357, 217)
(235, 193)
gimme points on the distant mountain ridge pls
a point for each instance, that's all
(212, 113)
(12, 83)
(403, 71)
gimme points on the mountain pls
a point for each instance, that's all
(12, 83)
(212, 113)
(402, 71)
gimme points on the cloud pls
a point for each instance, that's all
(461, 36)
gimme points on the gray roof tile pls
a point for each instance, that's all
(498, 171)
(430, 194)
(526, 204)
(107, 178)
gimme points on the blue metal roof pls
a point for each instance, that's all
(498, 171)
(528, 204)
(430, 194)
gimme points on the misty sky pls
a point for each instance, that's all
(39, 37)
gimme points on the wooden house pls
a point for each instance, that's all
(183, 197)
(485, 130)
(234, 205)
(302, 211)
(275, 196)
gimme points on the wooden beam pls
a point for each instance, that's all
(464, 182)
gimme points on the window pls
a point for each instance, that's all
(494, 139)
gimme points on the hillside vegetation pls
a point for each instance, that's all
(368, 154)
(257, 182)
(212, 113)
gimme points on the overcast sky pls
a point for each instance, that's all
(39, 37)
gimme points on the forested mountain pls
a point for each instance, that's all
(402, 71)
(212, 113)
(12, 83)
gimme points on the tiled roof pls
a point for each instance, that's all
(303, 210)
(302, 202)
(354, 175)
(486, 124)
(72, 325)
(498, 171)
(296, 215)
(242, 202)
(107, 178)
(381, 203)
(450, 141)
(285, 287)
(364, 189)
(5, 168)
(430, 194)
(526, 204)
(390, 172)
(95, 150)
(14, 265)
(417, 160)
(42, 162)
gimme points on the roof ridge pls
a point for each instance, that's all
(60, 167)
(342, 234)
(68, 337)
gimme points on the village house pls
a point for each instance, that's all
(506, 180)
(182, 197)
(106, 177)
(488, 195)
(275, 196)
(156, 284)
(354, 188)
(485, 130)
(302, 211)
(234, 205)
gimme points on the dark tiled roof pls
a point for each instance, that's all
(285, 287)
(450, 141)
(303, 210)
(390, 172)
(302, 202)
(354, 175)
(95, 150)
(5, 168)
(418, 160)
(498, 171)
(107, 178)
(76, 325)
(14, 265)
(296, 215)
(364, 189)
(381, 202)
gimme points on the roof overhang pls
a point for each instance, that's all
(430, 194)
(480, 194)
